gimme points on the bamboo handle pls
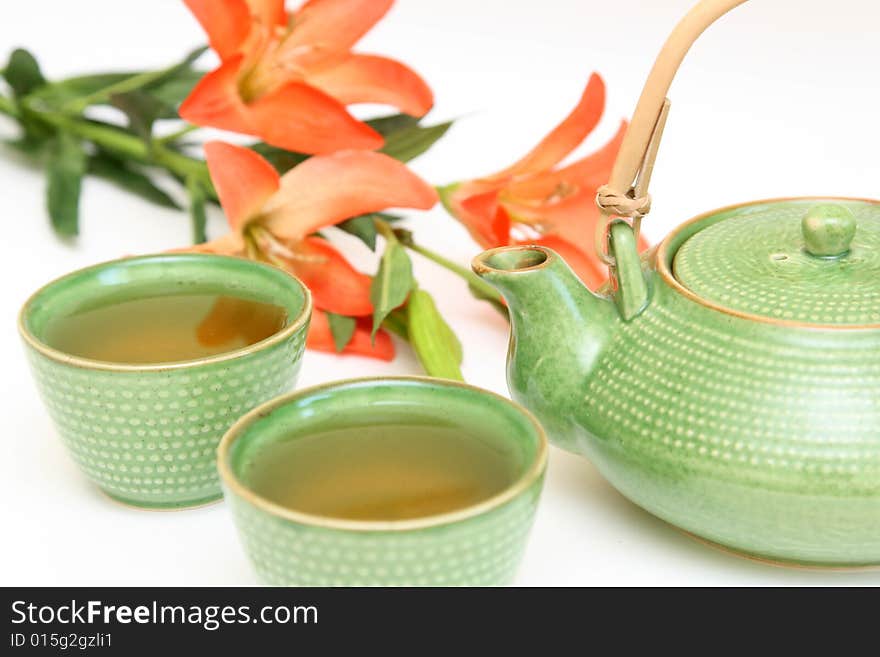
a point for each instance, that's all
(626, 194)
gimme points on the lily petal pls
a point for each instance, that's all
(268, 12)
(243, 180)
(565, 137)
(336, 286)
(320, 338)
(301, 118)
(327, 189)
(334, 25)
(375, 79)
(215, 101)
(572, 218)
(480, 213)
(226, 22)
(590, 172)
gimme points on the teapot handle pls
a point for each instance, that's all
(626, 194)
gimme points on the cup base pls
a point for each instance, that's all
(141, 505)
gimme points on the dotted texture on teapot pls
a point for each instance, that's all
(755, 260)
(754, 436)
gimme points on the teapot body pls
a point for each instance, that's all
(762, 436)
(736, 393)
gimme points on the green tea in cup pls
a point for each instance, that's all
(163, 328)
(389, 471)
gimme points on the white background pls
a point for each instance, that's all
(780, 99)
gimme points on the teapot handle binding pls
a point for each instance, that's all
(626, 194)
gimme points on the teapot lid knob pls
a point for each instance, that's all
(828, 230)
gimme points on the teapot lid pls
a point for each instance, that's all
(810, 261)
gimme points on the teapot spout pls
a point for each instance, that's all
(542, 293)
(558, 329)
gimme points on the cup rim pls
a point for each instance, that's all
(531, 474)
(93, 364)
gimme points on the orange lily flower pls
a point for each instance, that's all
(536, 202)
(287, 78)
(274, 218)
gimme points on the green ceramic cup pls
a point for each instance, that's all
(147, 434)
(476, 545)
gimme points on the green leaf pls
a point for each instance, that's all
(177, 82)
(445, 193)
(165, 89)
(57, 93)
(169, 91)
(186, 63)
(363, 227)
(65, 171)
(386, 125)
(342, 328)
(397, 322)
(409, 143)
(28, 144)
(197, 210)
(168, 86)
(392, 283)
(438, 348)
(279, 158)
(142, 111)
(23, 73)
(174, 90)
(159, 98)
(129, 178)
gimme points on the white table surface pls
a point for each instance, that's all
(781, 99)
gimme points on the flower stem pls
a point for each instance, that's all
(129, 146)
(183, 165)
(471, 278)
(177, 134)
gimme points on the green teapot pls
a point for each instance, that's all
(728, 381)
